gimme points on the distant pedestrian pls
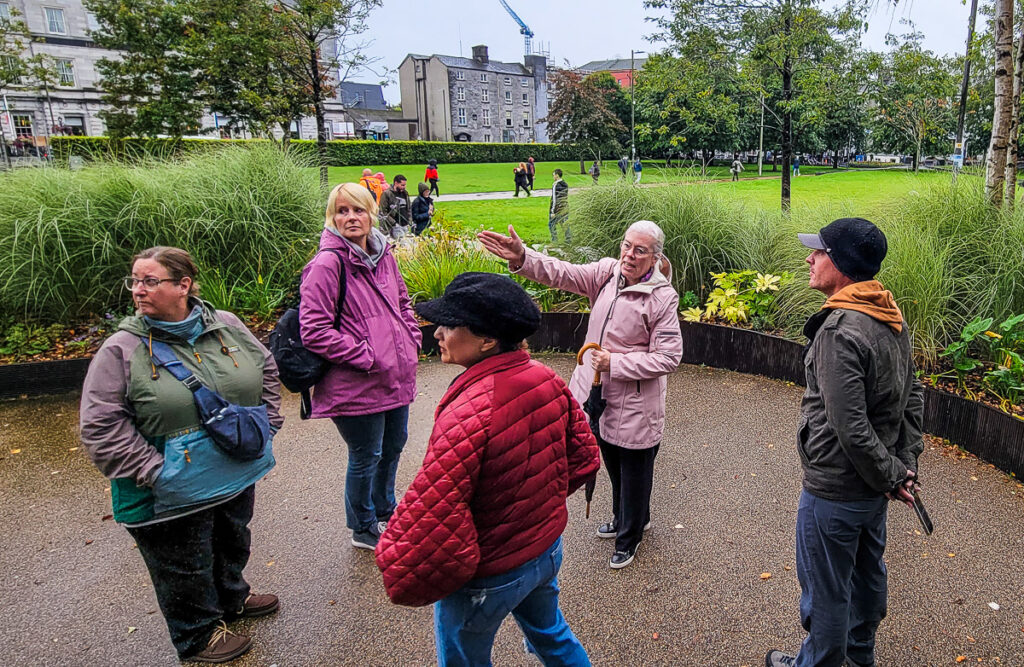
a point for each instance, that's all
(638, 170)
(595, 172)
(382, 180)
(430, 176)
(559, 212)
(370, 182)
(796, 165)
(522, 179)
(859, 441)
(623, 165)
(530, 170)
(422, 210)
(395, 211)
(736, 168)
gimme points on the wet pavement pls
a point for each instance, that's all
(74, 590)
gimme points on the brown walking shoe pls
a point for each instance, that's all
(255, 605)
(224, 646)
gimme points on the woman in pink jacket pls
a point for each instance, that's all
(371, 341)
(634, 317)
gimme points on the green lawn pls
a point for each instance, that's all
(496, 177)
(827, 196)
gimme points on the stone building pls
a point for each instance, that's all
(475, 99)
(61, 29)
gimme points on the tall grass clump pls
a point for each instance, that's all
(250, 217)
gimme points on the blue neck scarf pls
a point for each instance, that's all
(189, 328)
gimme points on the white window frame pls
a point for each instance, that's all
(63, 20)
(462, 116)
(526, 119)
(31, 125)
(526, 99)
(508, 119)
(486, 117)
(5, 11)
(508, 97)
(508, 81)
(485, 95)
(460, 75)
(460, 93)
(487, 138)
(483, 77)
(69, 68)
(524, 83)
(91, 24)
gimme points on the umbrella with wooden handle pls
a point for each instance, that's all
(594, 406)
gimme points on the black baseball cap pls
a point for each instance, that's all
(855, 245)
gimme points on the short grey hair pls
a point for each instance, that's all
(650, 229)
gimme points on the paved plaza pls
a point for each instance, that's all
(74, 589)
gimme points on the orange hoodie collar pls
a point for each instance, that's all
(870, 298)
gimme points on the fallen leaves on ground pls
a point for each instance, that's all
(766, 575)
(15, 451)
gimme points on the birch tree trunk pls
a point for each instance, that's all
(995, 172)
(1011, 150)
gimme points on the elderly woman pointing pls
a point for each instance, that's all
(634, 318)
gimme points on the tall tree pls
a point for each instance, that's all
(1013, 142)
(787, 35)
(151, 88)
(995, 168)
(579, 115)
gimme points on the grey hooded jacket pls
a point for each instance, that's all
(861, 415)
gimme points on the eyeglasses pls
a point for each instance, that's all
(149, 282)
(638, 250)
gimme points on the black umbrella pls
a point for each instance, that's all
(594, 407)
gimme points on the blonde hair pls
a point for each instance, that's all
(357, 195)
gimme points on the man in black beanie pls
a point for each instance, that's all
(859, 439)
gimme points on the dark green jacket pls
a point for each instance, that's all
(861, 415)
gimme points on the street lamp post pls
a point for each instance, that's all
(632, 107)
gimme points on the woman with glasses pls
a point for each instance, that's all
(186, 503)
(633, 316)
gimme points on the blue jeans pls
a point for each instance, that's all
(374, 444)
(839, 561)
(466, 621)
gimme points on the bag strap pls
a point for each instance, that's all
(162, 355)
(342, 285)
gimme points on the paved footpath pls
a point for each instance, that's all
(74, 590)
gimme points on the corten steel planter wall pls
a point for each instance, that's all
(989, 433)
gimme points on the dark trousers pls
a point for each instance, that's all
(632, 475)
(196, 565)
(524, 187)
(529, 178)
(843, 580)
(433, 187)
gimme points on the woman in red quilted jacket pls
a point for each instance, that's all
(479, 530)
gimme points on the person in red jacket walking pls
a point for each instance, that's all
(479, 530)
(430, 176)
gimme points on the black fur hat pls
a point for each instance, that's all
(488, 304)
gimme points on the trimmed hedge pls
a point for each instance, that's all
(339, 153)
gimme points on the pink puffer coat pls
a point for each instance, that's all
(639, 325)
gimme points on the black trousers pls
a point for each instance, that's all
(518, 186)
(632, 475)
(433, 187)
(196, 565)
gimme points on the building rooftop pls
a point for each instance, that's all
(495, 66)
(614, 65)
(361, 95)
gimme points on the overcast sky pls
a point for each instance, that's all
(578, 31)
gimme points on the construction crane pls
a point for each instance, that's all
(523, 28)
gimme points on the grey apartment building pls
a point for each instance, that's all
(475, 99)
(61, 29)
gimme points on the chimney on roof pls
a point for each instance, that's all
(480, 53)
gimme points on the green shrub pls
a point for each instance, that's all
(339, 153)
(67, 237)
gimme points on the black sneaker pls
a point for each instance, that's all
(621, 559)
(779, 659)
(366, 539)
(607, 530)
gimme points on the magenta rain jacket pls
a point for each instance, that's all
(374, 351)
(639, 325)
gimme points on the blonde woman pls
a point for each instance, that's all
(369, 336)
